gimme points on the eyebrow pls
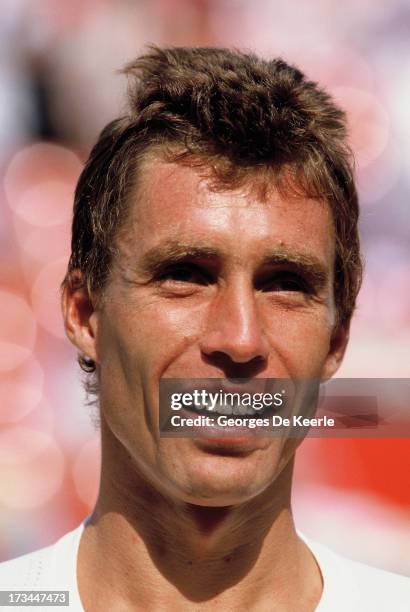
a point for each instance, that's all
(170, 252)
(173, 252)
(306, 263)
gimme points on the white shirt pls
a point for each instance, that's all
(348, 586)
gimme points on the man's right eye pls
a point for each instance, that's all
(185, 273)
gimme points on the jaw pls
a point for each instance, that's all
(208, 474)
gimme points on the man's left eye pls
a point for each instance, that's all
(286, 282)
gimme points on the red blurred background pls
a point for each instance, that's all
(58, 88)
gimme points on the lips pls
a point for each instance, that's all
(234, 429)
(235, 410)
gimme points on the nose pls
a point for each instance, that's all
(234, 327)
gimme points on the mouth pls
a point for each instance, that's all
(242, 410)
(220, 426)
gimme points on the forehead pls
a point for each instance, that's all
(177, 202)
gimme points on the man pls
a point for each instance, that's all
(214, 236)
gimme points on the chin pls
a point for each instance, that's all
(218, 497)
(218, 481)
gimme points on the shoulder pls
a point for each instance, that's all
(357, 587)
(387, 590)
(49, 568)
(25, 573)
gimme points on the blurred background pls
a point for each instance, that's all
(58, 88)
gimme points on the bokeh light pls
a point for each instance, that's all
(46, 204)
(31, 467)
(368, 123)
(45, 297)
(21, 390)
(17, 331)
(35, 165)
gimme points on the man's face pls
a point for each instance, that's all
(211, 284)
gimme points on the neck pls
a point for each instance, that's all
(184, 553)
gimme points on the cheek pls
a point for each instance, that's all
(149, 338)
(300, 341)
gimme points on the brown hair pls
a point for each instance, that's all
(231, 111)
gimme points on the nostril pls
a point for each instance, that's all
(232, 369)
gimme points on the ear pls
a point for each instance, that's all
(80, 315)
(337, 348)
